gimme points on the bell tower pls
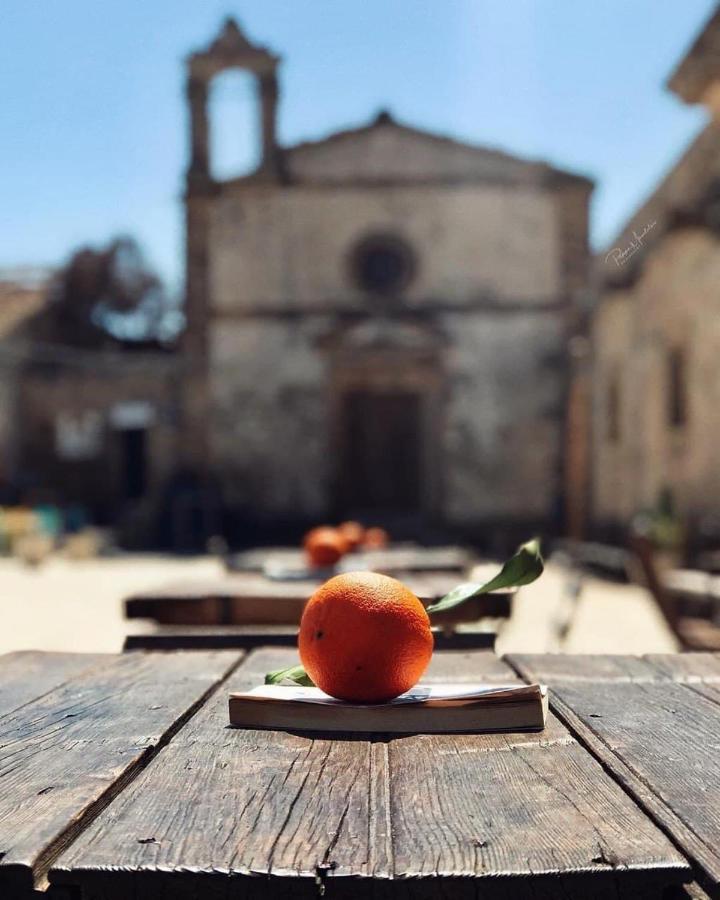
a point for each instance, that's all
(231, 49)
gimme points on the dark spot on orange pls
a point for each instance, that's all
(319, 634)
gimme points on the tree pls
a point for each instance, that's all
(110, 294)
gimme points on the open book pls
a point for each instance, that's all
(424, 709)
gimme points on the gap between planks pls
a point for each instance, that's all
(633, 783)
(73, 831)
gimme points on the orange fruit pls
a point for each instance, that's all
(364, 637)
(376, 538)
(324, 546)
(353, 532)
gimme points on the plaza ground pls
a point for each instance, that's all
(77, 605)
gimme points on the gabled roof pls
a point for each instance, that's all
(385, 151)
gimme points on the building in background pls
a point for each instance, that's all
(22, 294)
(378, 322)
(656, 333)
(91, 424)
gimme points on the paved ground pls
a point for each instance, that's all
(559, 614)
(77, 605)
(69, 605)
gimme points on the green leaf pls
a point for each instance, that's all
(296, 674)
(523, 568)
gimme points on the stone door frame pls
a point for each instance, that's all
(391, 370)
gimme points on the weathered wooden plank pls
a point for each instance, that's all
(249, 637)
(28, 674)
(278, 803)
(237, 808)
(64, 755)
(687, 667)
(659, 738)
(213, 637)
(255, 600)
(468, 667)
(536, 809)
(556, 667)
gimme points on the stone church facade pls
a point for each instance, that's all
(378, 321)
(656, 333)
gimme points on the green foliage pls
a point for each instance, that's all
(522, 568)
(295, 674)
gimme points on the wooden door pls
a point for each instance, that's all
(381, 451)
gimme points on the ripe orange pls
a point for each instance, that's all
(376, 538)
(364, 637)
(353, 532)
(324, 546)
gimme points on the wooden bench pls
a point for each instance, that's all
(120, 778)
(687, 600)
(248, 637)
(600, 559)
(253, 599)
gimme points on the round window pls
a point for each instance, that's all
(382, 264)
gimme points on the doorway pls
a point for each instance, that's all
(133, 472)
(381, 451)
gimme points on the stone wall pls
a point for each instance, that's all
(504, 416)
(77, 394)
(673, 306)
(287, 248)
(490, 283)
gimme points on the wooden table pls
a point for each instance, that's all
(252, 599)
(120, 778)
(398, 558)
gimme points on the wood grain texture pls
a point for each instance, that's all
(660, 739)
(28, 674)
(63, 755)
(554, 667)
(687, 667)
(244, 812)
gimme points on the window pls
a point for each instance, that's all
(613, 409)
(677, 388)
(382, 264)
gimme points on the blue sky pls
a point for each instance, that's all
(92, 120)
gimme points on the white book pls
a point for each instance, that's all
(426, 708)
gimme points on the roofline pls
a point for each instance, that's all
(689, 79)
(659, 208)
(547, 173)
